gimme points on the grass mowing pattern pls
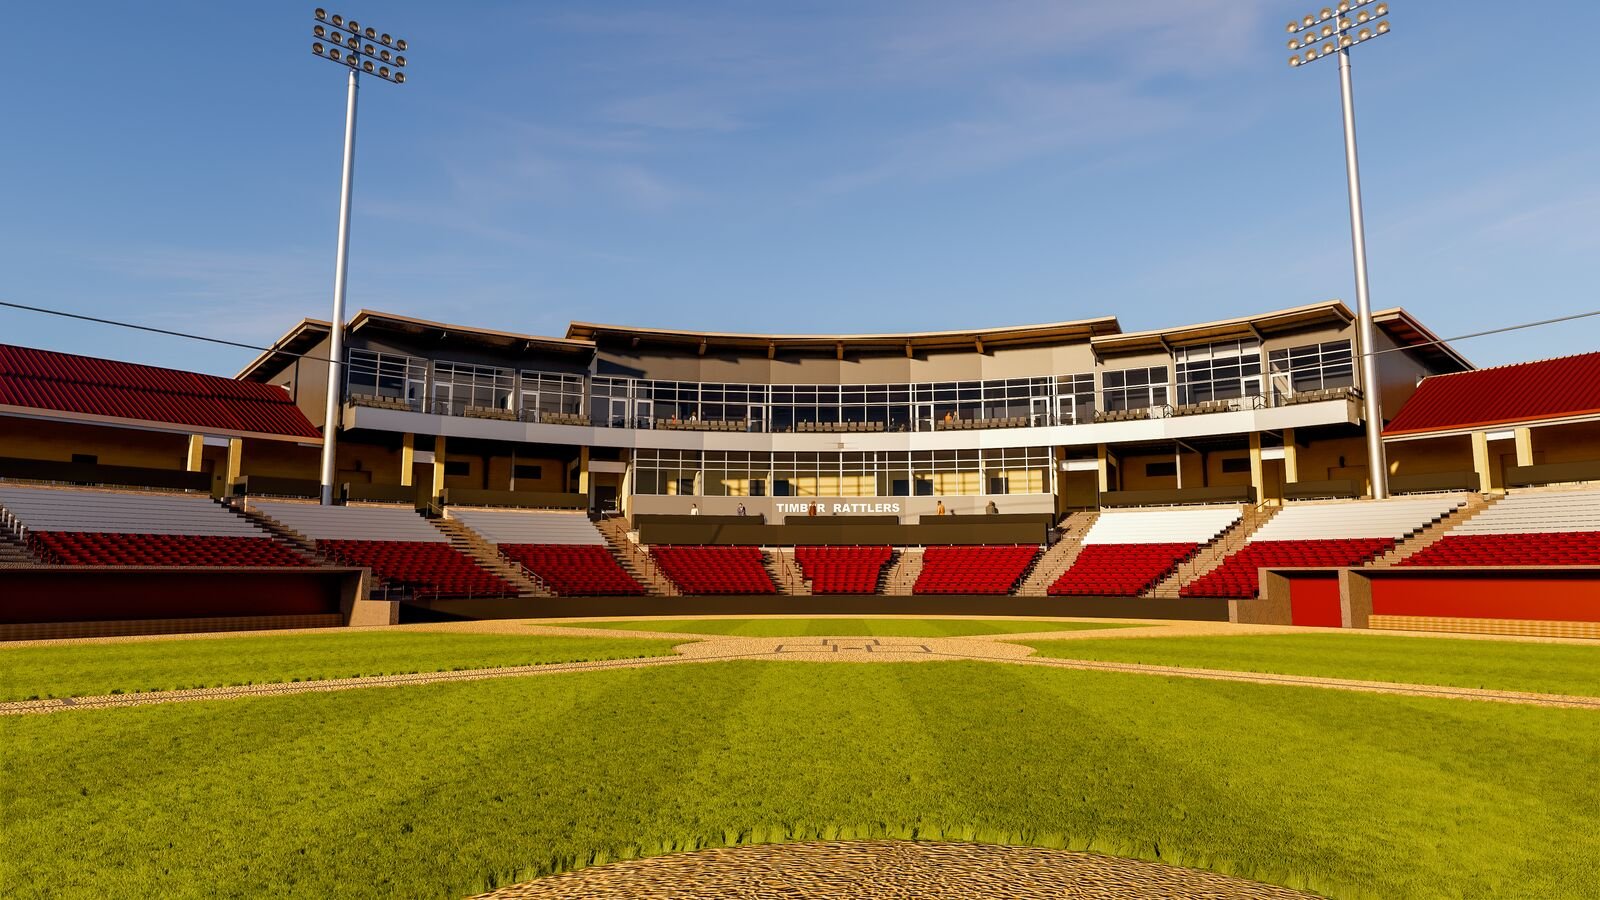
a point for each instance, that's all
(77, 670)
(444, 790)
(1499, 665)
(850, 627)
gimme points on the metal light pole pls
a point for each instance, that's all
(1330, 32)
(344, 41)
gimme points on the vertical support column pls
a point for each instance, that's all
(408, 458)
(1480, 461)
(197, 447)
(1258, 471)
(438, 467)
(1291, 457)
(235, 459)
(583, 471)
(1102, 460)
(1524, 438)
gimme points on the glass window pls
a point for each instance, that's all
(1225, 370)
(1311, 367)
(389, 375)
(1134, 388)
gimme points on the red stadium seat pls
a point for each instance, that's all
(1561, 548)
(95, 548)
(574, 569)
(1119, 570)
(843, 570)
(973, 570)
(426, 568)
(1238, 575)
(715, 570)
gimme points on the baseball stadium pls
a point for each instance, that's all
(1120, 597)
(409, 601)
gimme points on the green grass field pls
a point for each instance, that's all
(76, 670)
(442, 790)
(1501, 665)
(846, 627)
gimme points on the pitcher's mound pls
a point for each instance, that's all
(887, 869)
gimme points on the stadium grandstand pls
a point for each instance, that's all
(1068, 468)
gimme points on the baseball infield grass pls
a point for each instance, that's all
(79, 670)
(447, 789)
(1498, 665)
(844, 626)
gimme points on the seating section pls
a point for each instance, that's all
(396, 543)
(973, 570)
(1128, 551)
(1532, 529)
(424, 568)
(89, 548)
(564, 549)
(574, 569)
(715, 570)
(1320, 535)
(843, 570)
(112, 528)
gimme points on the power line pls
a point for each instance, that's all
(153, 330)
(278, 350)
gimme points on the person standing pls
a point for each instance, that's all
(939, 510)
(694, 509)
(811, 510)
(740, 512)
(991, 509)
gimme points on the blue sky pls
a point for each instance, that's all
(790, 167)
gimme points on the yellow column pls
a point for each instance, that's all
(583, 471)
(1258, 471)
(1102, 460)
(1291, 457)
(235, 458)
(1480, 460)
(1524, 438)
(197, 446)
(408, 458)
(438, 466)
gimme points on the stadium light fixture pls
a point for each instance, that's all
(361, 50)
(1333, 31)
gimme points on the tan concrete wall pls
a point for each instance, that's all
(57, 441)
(1430, 456)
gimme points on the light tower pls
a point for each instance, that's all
(360, 50)
(1333, 31)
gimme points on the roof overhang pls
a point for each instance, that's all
(1466, 429)
(77, 418)
(979, 340)
(297, 342)
(309, 332)
(1419, 340)
(1332, 312)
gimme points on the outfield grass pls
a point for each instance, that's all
(77, 670)
(1501, 665)
(850, 627)
(443, 790)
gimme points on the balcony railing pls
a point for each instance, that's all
(923, 422)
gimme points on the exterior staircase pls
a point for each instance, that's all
(13, 552)
(1060, 556)
(1434, 532)
(483, 553)
(903, 572)
(786, 572)
(635, 559)
(1211, 555)
(294, 540)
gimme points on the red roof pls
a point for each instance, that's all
(1526, 392)
(42, 379)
